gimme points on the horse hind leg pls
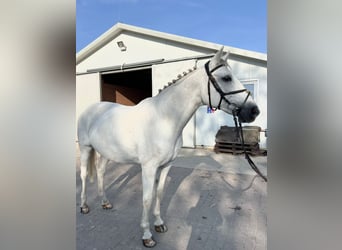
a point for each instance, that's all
(86, 159)
(101, 168)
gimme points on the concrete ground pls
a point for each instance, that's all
(211, 201)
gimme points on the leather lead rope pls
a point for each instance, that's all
(239, 133)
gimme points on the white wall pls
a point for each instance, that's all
(88, 91)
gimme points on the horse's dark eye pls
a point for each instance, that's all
(227, 78)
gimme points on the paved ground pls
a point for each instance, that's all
(212, 201)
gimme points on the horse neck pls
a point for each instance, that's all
(179, 102)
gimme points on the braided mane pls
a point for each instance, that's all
(179, 77)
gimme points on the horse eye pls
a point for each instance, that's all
(227, 78)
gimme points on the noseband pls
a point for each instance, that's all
(223, 95)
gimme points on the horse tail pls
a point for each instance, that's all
(92, 165)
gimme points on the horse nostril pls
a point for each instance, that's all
(255, 111)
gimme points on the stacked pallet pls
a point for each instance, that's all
(228, 141)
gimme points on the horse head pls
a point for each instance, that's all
(225, 92)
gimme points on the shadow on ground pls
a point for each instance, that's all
(204, 209)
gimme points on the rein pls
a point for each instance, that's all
(236, 110)
(239, 132)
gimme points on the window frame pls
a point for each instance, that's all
(255, 82)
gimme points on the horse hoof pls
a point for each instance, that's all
(107, 205)
(160, 228)
(149, 243)
(84, 209)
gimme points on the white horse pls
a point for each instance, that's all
(150, 133)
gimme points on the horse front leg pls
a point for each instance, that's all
(148, 182)
(101, 168)
(159, 225)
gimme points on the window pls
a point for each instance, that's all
(252, 85)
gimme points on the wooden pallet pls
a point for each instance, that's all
(228, 142)
(236, 148)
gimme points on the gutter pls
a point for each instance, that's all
(144, 64)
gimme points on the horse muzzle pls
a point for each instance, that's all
(248, 113)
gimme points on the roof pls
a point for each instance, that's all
(117, 29)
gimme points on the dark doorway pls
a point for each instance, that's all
(127, 88)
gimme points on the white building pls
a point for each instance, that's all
(127, 64)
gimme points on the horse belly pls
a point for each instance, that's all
(116, 142)
(119, 155)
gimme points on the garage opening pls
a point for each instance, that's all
(127, 88)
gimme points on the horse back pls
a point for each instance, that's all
(89, 117)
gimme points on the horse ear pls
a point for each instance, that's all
(216, 60)
(225, 56)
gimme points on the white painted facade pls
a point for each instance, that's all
(167, 56)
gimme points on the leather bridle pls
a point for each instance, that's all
(212, 80)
